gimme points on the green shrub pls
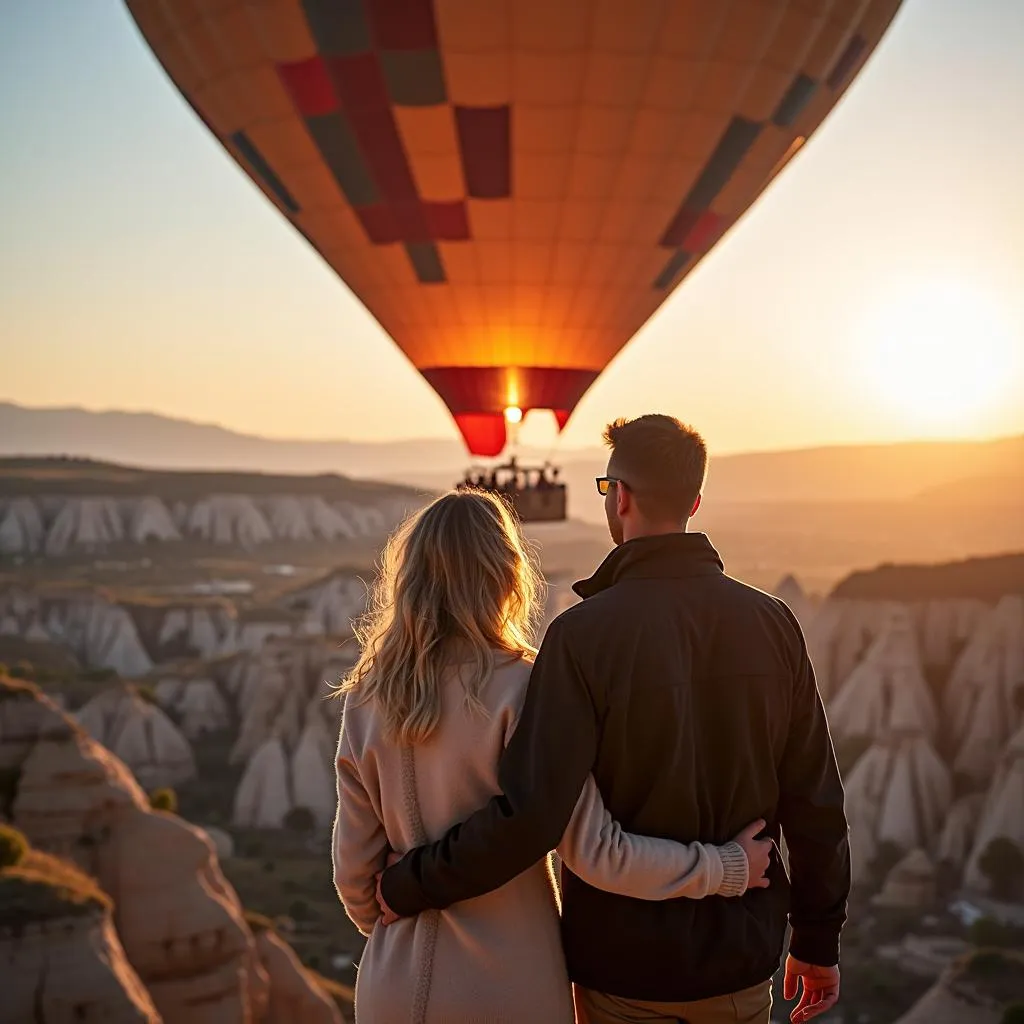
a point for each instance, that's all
(988, 963)
(13, 846)
(164, 800)
(1002, 863)
(22, 670)
(301, 821)
(1013, 1014)
(992, 934)
(146, 692)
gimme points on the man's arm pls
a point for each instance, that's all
(814, 823)
(541, 775)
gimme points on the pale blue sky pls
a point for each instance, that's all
(140, 269)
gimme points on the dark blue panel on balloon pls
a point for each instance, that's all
(256, 161)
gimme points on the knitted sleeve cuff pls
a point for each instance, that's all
(735, 870)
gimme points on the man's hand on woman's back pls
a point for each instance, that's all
(759, 854)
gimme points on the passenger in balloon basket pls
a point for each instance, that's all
(666, 735)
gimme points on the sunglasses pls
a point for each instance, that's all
(604, 483)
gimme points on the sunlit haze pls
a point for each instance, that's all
(876, 291)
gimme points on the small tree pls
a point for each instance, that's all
(164, 799)
(13, 846)
(1002, 863)
(1013, 1014)
(146, 692)
(301, 821)
(22, 670)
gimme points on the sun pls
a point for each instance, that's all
(939, 354)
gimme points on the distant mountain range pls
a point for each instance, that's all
(961, 472)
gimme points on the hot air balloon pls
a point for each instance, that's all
(512, 187)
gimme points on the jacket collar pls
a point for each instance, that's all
(671, 556)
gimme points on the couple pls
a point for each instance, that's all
(673, 701)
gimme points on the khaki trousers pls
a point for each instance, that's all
(751, 1006)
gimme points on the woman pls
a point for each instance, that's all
(429, 707)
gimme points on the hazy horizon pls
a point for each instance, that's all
(871, 296)
(583, 447)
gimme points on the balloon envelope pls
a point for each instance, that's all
(512, 187)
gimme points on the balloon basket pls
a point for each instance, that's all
(535, 493)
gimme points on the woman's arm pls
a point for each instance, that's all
(360, 845)
(596, 849)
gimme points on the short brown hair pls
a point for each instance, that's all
(662, 461)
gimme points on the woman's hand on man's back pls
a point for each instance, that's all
(759, 854)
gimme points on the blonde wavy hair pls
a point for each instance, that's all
(457, 586)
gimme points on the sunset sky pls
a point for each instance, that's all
(876, 292)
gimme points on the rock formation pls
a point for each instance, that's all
(143, 507)
(64, 959)
(313, 782)
(168, 691)
(141, 735)
(202, 629)
(971, 991)
(327, 522)
(287, 518)
(292, 997)
(1003, 813)
(227, 519)
(264, 795)
(150, 520)
(957, 838)
(201, 708)
(329, 605)
(911, 885)
(945, 626)
(839, 637)
(85, 524)
(984, 698)
(887, 689)
(178, 919)
(897, 795)
(274, 687)
(100, 634)
(789, 590)
(222, 842)
(21, 527)
(258, 625)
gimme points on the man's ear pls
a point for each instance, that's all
(696, 505)
(623, 500)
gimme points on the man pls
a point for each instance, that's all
(691, 698)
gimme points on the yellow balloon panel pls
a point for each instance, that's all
(512, 187)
